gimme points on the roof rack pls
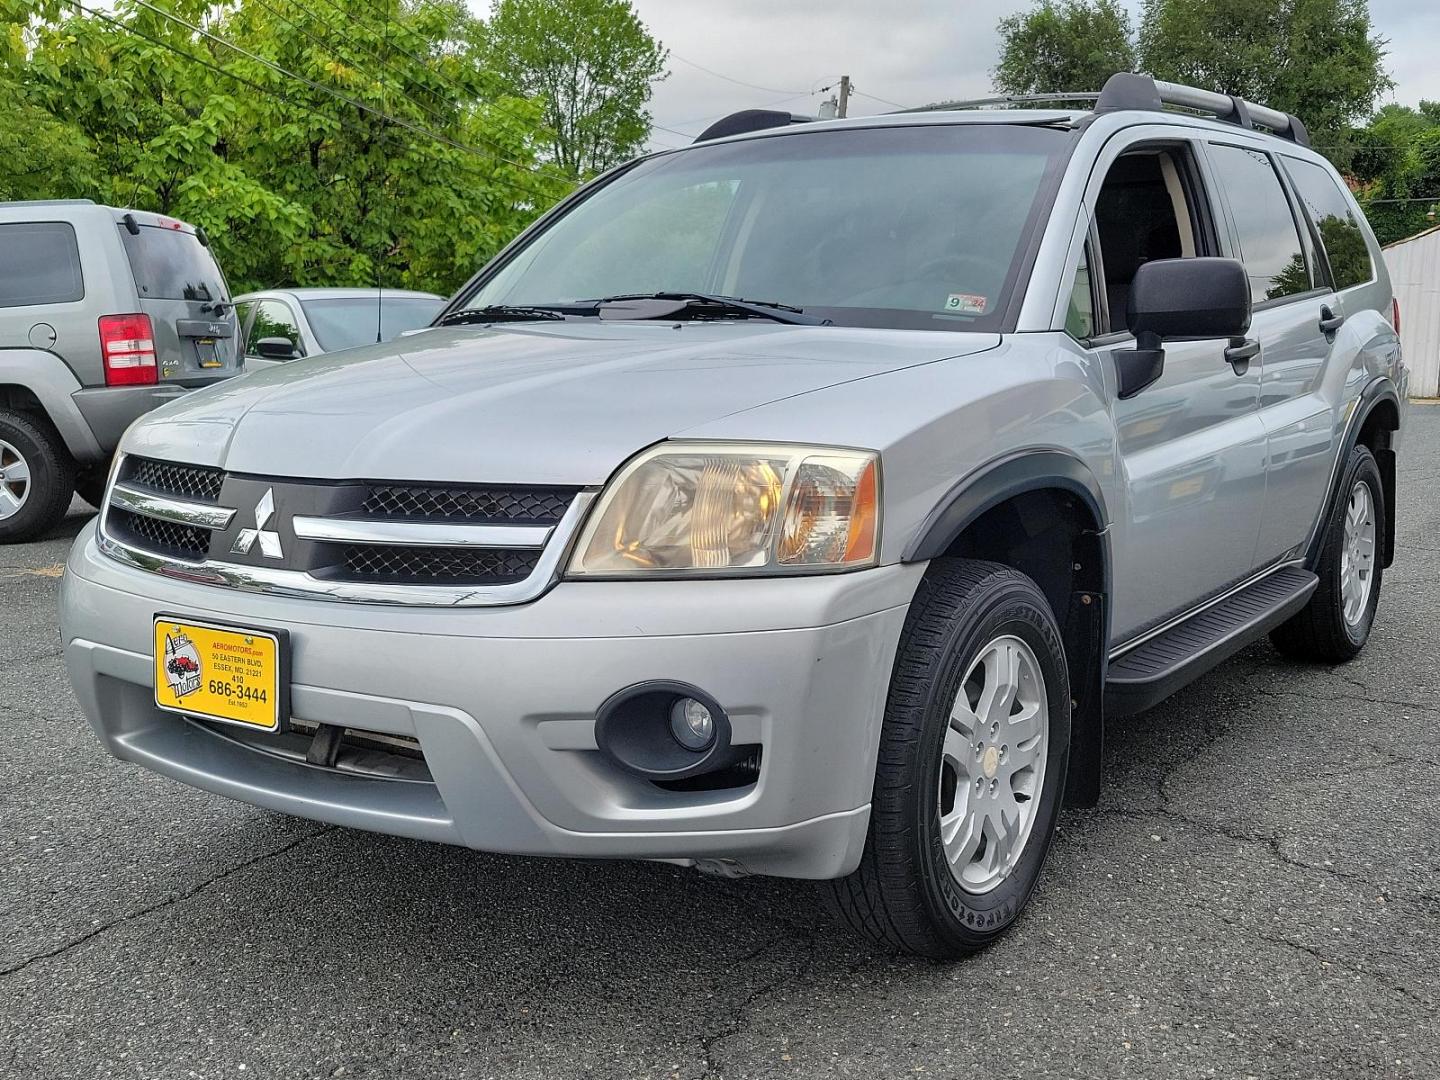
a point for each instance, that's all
(1127, 90)
(1124, 90)
(738, 123)
(1004, 99)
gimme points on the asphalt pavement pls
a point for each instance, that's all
(1258, 895)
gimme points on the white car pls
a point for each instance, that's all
(278, 325)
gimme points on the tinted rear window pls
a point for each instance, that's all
(1269, 243)
(170, 264)
(1340, 232)
(39, 264)
(348, 323)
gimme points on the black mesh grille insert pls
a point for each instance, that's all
(160, 537)
(530, 506)
(438, 565)
(194, 482)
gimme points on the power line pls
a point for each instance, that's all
(353, 102)
(672, 131)
(269, 92)
(876, 97)
(737, 82)
(335, 54)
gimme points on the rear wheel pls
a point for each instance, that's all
(971, 769)
(1335, 624)
(37, 478)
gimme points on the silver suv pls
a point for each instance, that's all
(800, 502)
(104, 315)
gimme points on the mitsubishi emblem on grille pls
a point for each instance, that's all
(269, 539)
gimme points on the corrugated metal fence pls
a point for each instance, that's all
(1415, 274)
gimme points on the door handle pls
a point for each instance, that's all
(1329, 321)
(1240, 352)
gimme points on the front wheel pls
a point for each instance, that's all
(971, 769)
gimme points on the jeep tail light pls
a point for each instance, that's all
(1395, 315)
(128, 348)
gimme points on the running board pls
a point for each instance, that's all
(1152, 671)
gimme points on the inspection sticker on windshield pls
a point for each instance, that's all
(966, 303)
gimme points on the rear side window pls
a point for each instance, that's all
(1339, 230)
(39, 264)
(1270, 244)
(170, 264)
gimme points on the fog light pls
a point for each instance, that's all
(691, 724)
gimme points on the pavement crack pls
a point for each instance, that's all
(149, 909)
(1329, 961)
(740, 1014)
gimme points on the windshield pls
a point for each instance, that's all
(350, 322)
(171, 264)
(917, 227)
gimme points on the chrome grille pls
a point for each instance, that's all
(162, 537)
(537, 506)
(185, 481)
(438, 565)
(348, 540)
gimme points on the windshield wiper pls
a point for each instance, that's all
(505, 313)
(716, 305)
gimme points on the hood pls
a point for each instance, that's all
(534, 403)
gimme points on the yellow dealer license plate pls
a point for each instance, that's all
(232, 674)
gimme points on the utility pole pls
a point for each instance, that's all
(844, 96)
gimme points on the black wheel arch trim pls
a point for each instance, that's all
(1377, 391)
(1086, 624)
(994, 483)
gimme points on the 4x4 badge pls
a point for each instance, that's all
(269, 539)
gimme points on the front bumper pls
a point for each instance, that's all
(502, 702)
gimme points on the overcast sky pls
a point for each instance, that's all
(909, 52)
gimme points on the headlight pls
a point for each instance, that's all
(703, 509)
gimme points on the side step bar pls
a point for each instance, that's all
(1151, 672)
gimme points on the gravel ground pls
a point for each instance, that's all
(1258, 895)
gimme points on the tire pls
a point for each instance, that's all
(32, 506)
(90, 484)
(1322, 630)
(904, 894)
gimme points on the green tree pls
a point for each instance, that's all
(1318, 59)
(1395, 161)
(349, 143)
(1063, 46)
(591, 62)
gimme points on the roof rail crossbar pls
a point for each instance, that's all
(1127, 90)
(1004, 99)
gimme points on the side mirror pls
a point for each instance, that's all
(277, 348)
(1179, 300)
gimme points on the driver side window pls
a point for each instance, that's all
(1147, 209)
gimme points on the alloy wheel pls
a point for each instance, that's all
(992, 767)
(1357, 554)
(14, 481)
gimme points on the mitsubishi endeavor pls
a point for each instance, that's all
(800, 502)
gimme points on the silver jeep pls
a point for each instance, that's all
(799, 503)
(105, 314)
